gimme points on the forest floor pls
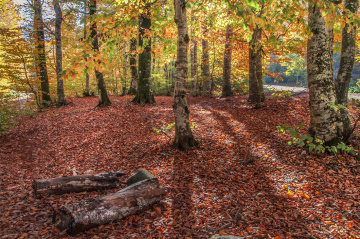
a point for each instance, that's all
(282, 192)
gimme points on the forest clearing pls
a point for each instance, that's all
(283, 192)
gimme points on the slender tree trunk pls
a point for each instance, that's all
(103, 95)
(256, 88)
(194, 64)
(60, 82)
(205, 65)
(144, 93)
(87, 78)
(133, 67)
(125, 71)
(323, 119)
(40, 55)
(226, 86)
(346, 67)
(184, 138)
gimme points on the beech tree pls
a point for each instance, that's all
(346, 67)
(325, 122)
(194, 64)
(39, 53)
(133, 67)
(58, 43)
(144, 93)
(103, 96)
(256, 89)
(205, 65)
(226, 86)
(184, 138)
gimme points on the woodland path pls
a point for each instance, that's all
(243, 179)
(301, 89)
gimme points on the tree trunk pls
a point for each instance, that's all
(60, 82)
(144, 93)
(256, 89)
(184, 138)
(89, 213)
(103, 95)
(343, 78)
(205, 66)
(39, 53)
(133, 67)
(78, 183)
(323, 118)
(194, 64)
(87, 78)
(125, 70)
(226, 86)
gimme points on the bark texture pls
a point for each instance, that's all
(194, 64)
(87, 78)
(226, 86)
(342, 81)
(133, 67)
(323, 120)
(256, 88)
(39, 53)
(78, 183)
(125, 71)
(85, 214)
(58, 43)
(184, 138)
(144, 94)
(103, 95)
(205, 66)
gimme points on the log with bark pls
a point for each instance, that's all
(79, 183)
(88, 213)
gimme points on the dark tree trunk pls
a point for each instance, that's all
(256, 90)
(78, 183)
(133, 67)
(89, 213)
(58, 43)
(194, 64)
(205, 66)
(40, 55)
(144, 93)
(343, 78)
(184, 138)
(103, 95)
(226, 86)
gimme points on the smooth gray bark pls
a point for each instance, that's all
(205, 65)
(194, 64)
(226, 86)
(184, 138)
(133, 67)
(58, 43)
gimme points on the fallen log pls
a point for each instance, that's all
(79, 183)
(88, 213)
